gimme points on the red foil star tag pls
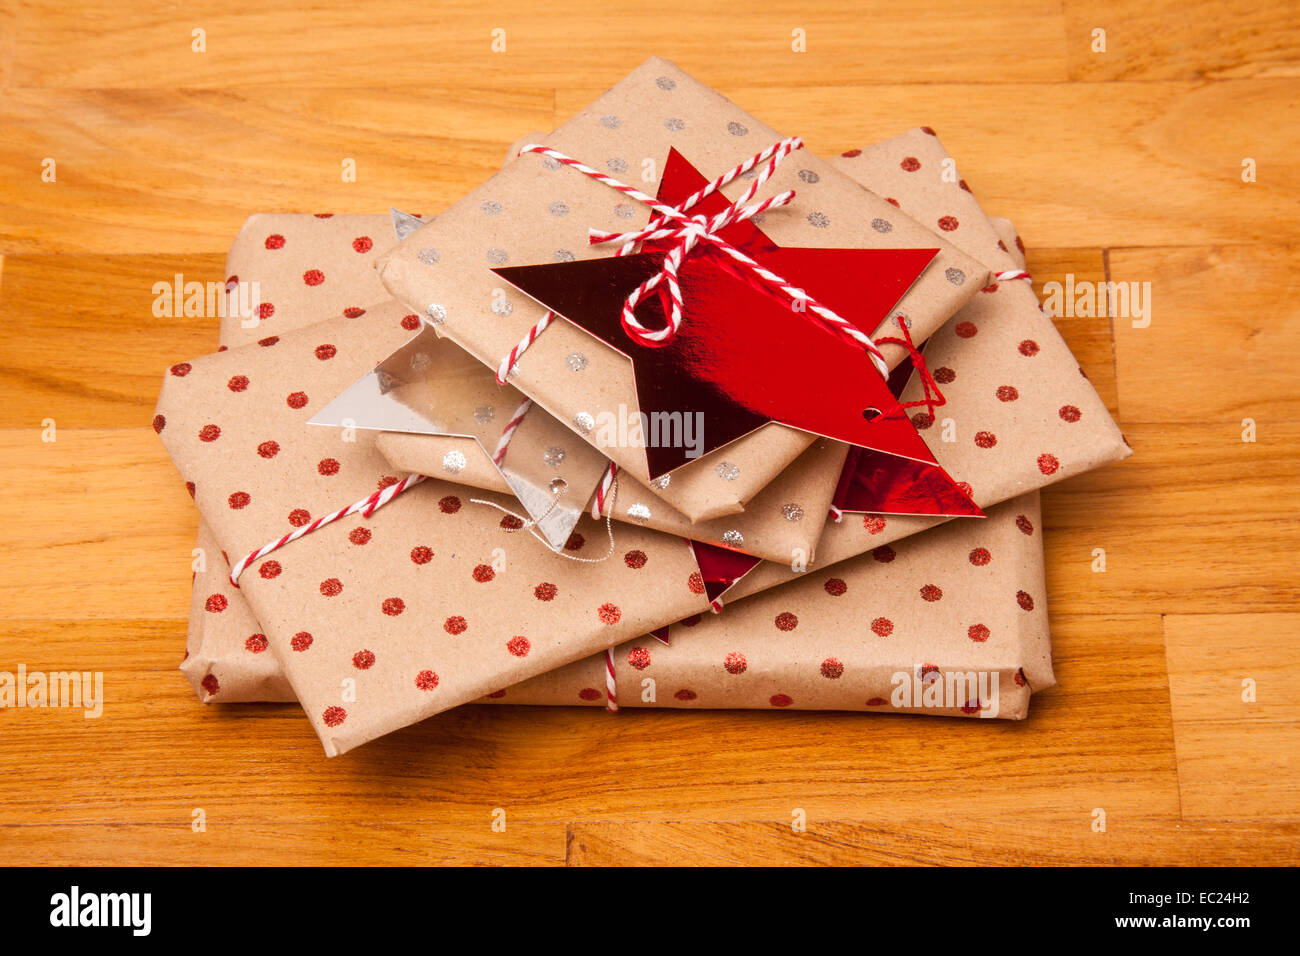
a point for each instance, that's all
(745, 355)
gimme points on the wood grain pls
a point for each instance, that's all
(1123, 166)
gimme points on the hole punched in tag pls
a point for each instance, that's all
(871, 413)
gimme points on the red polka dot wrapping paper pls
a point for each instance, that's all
(530, 213)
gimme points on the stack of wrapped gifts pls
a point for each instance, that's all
(669, 412)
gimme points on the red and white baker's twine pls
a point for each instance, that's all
(611, 690)
(365, 507)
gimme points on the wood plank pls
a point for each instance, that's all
(177, 171)
(80, 340)
(403, 46)
(1062, 841)
(1182, 39)
(1236, 759)
(1078, 164)
(1195, 518)
(1222, 320)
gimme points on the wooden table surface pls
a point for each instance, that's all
(1124, 164)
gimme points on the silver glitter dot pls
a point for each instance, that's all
(639, 513)
(554, 456)
(616, 165)
(750, 174)
(791, 512)
(584, 422)
(624, 211)
(420, 361)
(955, 276)
(551, 163)
(733, 538)
(666, 83)
(484, 414)
(662, 481)
(436, 313)
(610, 121)
(498, 256)
(818, 220)
(558, 208)
(737, 129)
(576, 361)
(491, 207)
(453, 462)
(674, 124)
(428, 256)
(501, 306)
(563, 255)
(808, 176)
(882, 225)
(758, 218)
(728, 471)
(558, 486)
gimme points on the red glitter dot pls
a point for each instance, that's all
(944, 375)
(883, 626)
(256, 643)
(269, 569)
(545, 591)
(328, 466)
(216, 603)
(181, 369)
(780, 700)
(296, 399)
(873, 523)
(1028, 347)
(386, 481)
(965, 330)
(511, 523)
(966, 489)
(884, 554)
(275, 241)
(209, 433)
(735, 663)
(785, 621)
(574, 542)
(948, 223)
(635, 559)
(237, 383)
(685, 694)
(455, 624)
(850, 153)
(268, 449)
(695, 582)
(931, 592)
(353, 312)
(1070, 413)
(910, 164)
(1048, 464)
(210, 684)
(159, 423)
(1020, 678)
(362, 244)
(519, 646)
(893, 202)
(331, 587)
(835, 587)
(483, 573)
(238, 499)
(264, 311)
(589, 693)
(363, 660)
(189, 486)
(1007, 393)
(326, 352)
(1025, 601)
(426, 680)
(359, 535)
(978, 633)
(1024, 524)
(980, 557)
(832, 669)
(301, 641)
(333, 716)
(985, 439)
(609, 613)
(922, 420)
(393, 606)
(928, 672)
(411, 322)
(313, 277)
(449, 504)
(690, 621)
(639, 658)
(971, 707)
(299, 517)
